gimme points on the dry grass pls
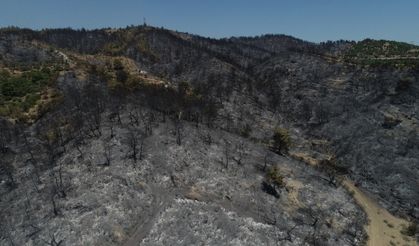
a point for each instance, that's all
(304, 157)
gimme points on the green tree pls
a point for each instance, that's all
(281, 140)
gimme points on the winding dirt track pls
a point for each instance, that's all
(384, 228)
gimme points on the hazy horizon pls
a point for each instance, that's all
(318, 21)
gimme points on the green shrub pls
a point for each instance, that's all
(16, 87)
(373, 53)
(281, 140)
(20, 92)
(274, 177)
(28, 82)
(30, 101)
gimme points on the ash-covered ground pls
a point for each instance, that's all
(189, 186)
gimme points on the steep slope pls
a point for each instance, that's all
(179, 194)
(113, 84)
(367, 115)
(83, 184)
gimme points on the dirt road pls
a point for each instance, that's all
(384, 228)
